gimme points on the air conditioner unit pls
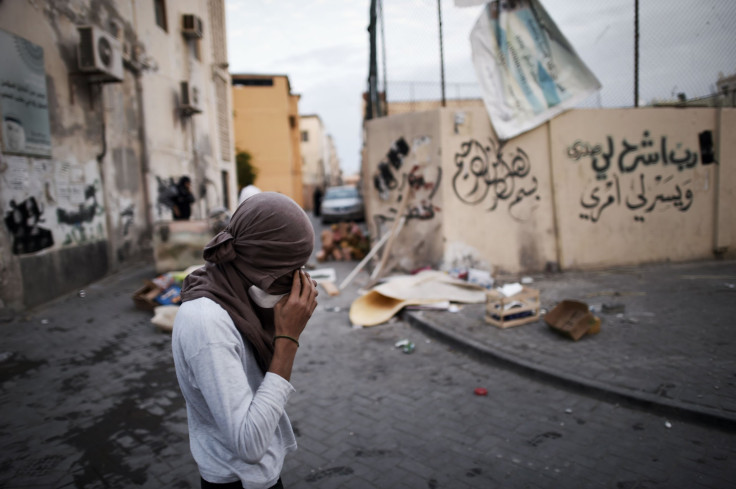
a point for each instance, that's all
(191, 26)
(99, 55)
(189, 99)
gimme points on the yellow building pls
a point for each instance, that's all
(266, 125)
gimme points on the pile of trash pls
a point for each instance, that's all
(162, 295)
(343, 241)
(509, 305)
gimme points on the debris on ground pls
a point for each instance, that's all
(475, 276)
(162, 295)
(344, 241)
(613, 308)
(480, 391)
(573, 319)
(385, 300)
(512, 305)
(163, 290)
(163, 317)
(406, 346)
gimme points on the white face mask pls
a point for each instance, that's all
(263, 298)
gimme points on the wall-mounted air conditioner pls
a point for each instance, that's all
(99, 55)
(189, 99)
(191, 26)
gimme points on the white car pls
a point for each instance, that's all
(342, 203)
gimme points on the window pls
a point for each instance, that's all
(160, 7)
(254, 82)
(292, 122)
(305, 136)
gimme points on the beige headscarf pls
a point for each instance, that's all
(268, 237)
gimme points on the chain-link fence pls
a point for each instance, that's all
(684, 47)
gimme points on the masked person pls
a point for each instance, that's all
(235, 338)
(183, 199)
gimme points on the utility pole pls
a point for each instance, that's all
(636, 53)
(442, 53)
(383, 58)
(373, 107)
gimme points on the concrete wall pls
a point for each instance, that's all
(266, 122)
(88, 209)
(589, 189)
(403, 154)
(630, 186)
(498, 201)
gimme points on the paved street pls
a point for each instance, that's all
(90, 400)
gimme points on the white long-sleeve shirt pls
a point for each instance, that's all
(238, 427)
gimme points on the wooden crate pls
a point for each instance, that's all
(501, 313)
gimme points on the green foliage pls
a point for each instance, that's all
(247, 173)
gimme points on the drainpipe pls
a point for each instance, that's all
(99, 91)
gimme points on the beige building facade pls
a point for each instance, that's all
(115, 98)
(320, 163)
(314, 156)
(266, 125)
(589, 189)
(334, 169)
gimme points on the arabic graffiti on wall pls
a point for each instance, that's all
(633, 156)
(393, 174)
(624, 178)
(489, 174)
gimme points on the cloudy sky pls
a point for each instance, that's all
(322, 45)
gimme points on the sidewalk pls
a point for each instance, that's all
(670, 345)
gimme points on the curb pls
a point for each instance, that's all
(588, 387)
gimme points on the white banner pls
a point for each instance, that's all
(527, 70)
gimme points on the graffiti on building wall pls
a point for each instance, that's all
(22, 220)
(126, 217)
(167, 192)
(628, 157)
(489, 174)
(79, 222)
(621, 181)
(61, 195)
(404, 165)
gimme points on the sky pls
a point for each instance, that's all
(322, 45)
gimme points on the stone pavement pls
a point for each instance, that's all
(88, 396)
(668, 342)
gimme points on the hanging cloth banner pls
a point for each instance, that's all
(527, 70)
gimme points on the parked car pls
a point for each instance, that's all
(343, 203)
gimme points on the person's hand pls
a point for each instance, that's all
(293, 311)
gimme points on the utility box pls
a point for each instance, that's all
(179, 244)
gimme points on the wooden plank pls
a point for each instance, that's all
(330, 288)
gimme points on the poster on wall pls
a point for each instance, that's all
(25, 128)
(527, 70)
